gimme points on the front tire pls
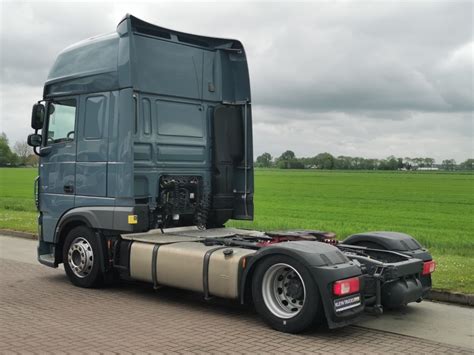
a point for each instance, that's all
(285, 294)
(81, 258)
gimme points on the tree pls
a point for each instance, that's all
(428, 162)
(358, 163)
(288, 160)
(400, 164)
(6, 155)
(343, 162)
(32, 160)
(391, 163)
(467, 165)
(288, 155)
(407, 163)
(418, 162)
(371, 164)
(264, 160)
(324, 161)
(297, 165)
(307, 162)
(449, 164)
(23, 151)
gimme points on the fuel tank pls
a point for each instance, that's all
(213, 270)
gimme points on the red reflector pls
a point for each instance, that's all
(345, 287)
(428, 267)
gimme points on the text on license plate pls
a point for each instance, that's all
(341, 304)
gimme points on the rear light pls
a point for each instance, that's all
(428, 267)
(346, 287)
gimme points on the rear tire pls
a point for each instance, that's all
(81, 258)
(285, 294)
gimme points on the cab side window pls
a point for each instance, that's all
(61, 121)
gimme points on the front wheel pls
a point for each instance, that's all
(285, 294)
(81, 258)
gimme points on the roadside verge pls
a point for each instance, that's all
(12, 233)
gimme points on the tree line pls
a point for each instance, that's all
(19, 155)
(288, 160)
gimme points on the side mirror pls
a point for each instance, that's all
(34, 140)
(37, 116)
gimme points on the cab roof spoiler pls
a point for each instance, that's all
(137, 26)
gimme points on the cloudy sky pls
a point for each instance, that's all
(356, 78)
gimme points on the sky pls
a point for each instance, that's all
(358, 78)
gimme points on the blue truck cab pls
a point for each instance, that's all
(144, 128)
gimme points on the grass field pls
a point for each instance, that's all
(17, 206)
(436, 208)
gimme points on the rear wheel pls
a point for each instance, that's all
(285, 294)
(81, 258)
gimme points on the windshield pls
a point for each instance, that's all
(61, 120)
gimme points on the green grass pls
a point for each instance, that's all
(17, 206)
(436, 208)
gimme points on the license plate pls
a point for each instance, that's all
(342, 304)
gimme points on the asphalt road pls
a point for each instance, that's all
(434, 323)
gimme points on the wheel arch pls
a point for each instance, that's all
(98, 219)
(264, 253)
(65, 225)
(94, 218)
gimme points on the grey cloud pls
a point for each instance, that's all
(33, 34)
(364, 61)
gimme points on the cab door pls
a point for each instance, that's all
(57, 163)
(92, 146)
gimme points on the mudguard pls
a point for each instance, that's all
(400, 292)
(326, 264)
(394, 241)
(105, 217)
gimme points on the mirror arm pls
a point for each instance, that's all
(35, 149)
(44, 151)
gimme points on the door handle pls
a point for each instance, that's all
(69, 189)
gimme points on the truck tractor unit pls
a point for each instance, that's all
(145, 144)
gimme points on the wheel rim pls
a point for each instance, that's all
(283, 290)
(80, 257)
